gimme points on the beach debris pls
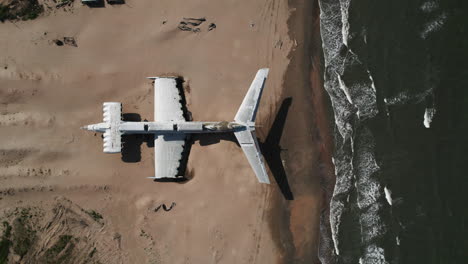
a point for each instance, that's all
(164, 22)
(211, 26)
(191, 24)
(194, 21)
(62, 3)
(279, 44)
(184, 27)
(116, 2)
(70, 41)
(252, 24)
(57, 42)
(93, 3)
(164, 207)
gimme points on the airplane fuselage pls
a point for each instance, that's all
(171, 130)
(172, 127)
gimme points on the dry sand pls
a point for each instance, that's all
(222, 215)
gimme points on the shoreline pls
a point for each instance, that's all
(295, 223)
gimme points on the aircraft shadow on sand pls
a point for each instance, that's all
(271, 149)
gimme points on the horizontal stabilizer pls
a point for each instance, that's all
(248, 109)
(249, 144)
(112, 115)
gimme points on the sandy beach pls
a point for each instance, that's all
(222, 214)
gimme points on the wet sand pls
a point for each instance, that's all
(306, 144)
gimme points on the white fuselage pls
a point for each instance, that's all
(175, 127)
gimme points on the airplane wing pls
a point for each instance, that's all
(248, 142)
(168, 151)
(248, 109)
(167, 100)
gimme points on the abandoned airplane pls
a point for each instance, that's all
(171, 129)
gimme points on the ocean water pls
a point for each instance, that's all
(397, 75)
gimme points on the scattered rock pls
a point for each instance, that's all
(70, 41)
(194, 21)
(211, 26)
(58, 42)
(183, 26)
(191, 24)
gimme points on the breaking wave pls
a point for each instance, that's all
(364, 95)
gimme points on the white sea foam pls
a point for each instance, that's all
(406, 97)
(430, 6)
(344, 89)
(356, 168)
(433, 26)
(388, 195)
(345, 21)
(373, 255)
(428, 115)
(372, 81)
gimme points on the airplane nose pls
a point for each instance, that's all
(85, 127)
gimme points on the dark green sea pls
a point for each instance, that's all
(397, 75)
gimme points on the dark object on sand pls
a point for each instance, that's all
(211, 26)
(165, 208)
(58, 42)
(70, 41)
(191, 24)
(194, 21)
(116, 2)
(63, 3)
(93, 3)
(183, 26)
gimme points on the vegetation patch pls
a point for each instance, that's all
(61, 251)
(95, 215)
(20, 10)
(5, 243)
(23, 234)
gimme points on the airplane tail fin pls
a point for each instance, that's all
(248, 141)
(248, 109)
